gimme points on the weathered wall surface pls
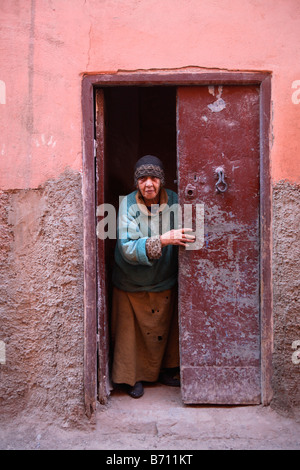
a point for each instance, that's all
(42, 299)
(45, 48)
(286, 282)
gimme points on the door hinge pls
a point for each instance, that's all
(98, 339)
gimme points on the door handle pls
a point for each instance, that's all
(221, 185)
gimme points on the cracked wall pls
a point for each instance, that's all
(42, 299)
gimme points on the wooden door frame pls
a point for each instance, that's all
(174, 78)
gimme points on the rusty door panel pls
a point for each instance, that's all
(219, 284)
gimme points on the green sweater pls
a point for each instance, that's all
(133, 270)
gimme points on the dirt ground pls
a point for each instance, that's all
(159, 421)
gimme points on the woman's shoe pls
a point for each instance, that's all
(137, 390)
(170, 377)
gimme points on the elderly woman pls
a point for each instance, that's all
(144, 313)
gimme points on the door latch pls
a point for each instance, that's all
(221, 185)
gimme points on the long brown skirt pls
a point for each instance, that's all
(144, 335)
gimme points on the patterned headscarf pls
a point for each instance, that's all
(149, 166)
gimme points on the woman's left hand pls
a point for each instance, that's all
(177, 237)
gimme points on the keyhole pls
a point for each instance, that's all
(190, 190)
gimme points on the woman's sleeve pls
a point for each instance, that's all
(153, 247)
(131, 242)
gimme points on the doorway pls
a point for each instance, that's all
(131, 122)
(133, 117)
(138, 121)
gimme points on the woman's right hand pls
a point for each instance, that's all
(178, 236)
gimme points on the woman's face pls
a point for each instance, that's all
(149, 187)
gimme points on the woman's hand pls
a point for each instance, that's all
(177, 237)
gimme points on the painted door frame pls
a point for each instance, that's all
(175, 78)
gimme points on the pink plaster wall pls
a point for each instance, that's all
(46, 46)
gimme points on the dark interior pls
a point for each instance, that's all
(138, 121)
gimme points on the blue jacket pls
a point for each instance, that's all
(134, 271)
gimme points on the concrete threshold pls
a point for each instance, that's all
(158, 421)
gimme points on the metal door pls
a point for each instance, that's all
(218, 166)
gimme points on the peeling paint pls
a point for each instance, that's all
(219, 293)
(217, 106)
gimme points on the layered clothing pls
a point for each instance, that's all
(144, 314)
(138, 228)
